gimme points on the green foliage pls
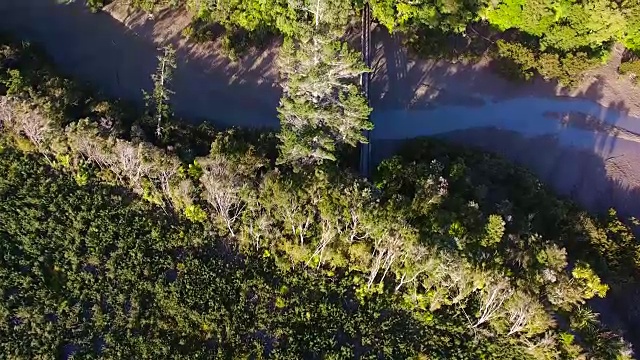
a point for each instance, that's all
(603, 343)
(195, 170)
(158, 101)
(560, 39)
(195, 213)
(463, 253)
(632, 35)
(151, 6)
(569, 349)
(586, 276)
(582, 29)
(82, 177)
(520, 62)
(321, 107)
(15, 83)
(448, 16)
(631, 68)
(248, 15)
(562, 25)
(63, 160)
(133, 283)
(493, 231)
(93, 5)
(528, 258)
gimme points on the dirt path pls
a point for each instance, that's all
(586, 143)
(120, 60)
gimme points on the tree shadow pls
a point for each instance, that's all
(120, 60)
(577, 145)
(401, 80)
(583, 143)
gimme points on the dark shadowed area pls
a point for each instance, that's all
(119, 61)
(583, 142)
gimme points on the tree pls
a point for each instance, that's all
(24, 120)
(328, 15)
(589, 281)
(493, 231)
(525, 314)
(567, 291)
(444, 16)
(321, 106)
(158, 100)
(562, 25)
(492, 299)
(226, 178)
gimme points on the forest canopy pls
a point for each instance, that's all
(554, 32)
(87, 272)
(125, 241)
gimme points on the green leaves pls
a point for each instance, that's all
(561, 25)
(494, 230)
(522, 63)
(446, 16)
(589, 280)
(15, 83)
(321, 107)
(448, 242)
(116, 278)
(158, 101)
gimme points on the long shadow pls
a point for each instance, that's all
(100, 50)
(578, 146)
(585, 147)
(428, 83)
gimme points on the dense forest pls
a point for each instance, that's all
(557, 39)
(133, 235)
(88, 272)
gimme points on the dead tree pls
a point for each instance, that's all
(492, 299)
(222, 189)
(386, 251)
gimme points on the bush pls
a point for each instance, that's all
(517, 61)
(96, 5)
(631, 68)
(200, 31)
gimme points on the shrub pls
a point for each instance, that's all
(517, 61)
(630, 68)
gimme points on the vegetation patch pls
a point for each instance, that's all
(566, 37)
(191, 242)
(630, 68)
